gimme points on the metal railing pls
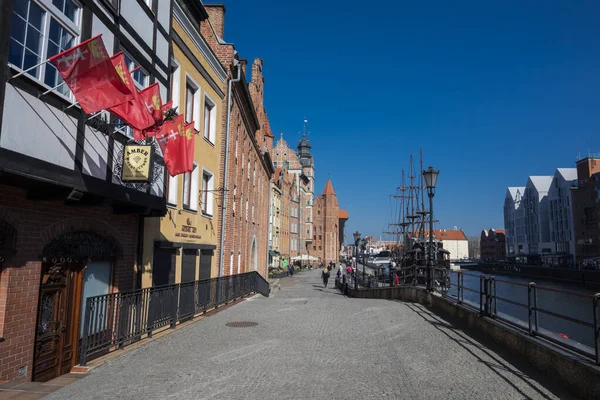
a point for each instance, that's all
(116, 320)
(487, 294)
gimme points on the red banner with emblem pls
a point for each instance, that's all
(133, 112)
(151, 99)
(91, 76)
(176, 141)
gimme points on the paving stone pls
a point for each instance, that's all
(313, 343)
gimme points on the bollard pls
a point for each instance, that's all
(529, 307)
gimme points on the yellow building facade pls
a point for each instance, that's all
(181, 246)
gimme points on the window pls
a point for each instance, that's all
(246, 209)
(187, 189)
(239, 262)
(189, 103)
(231, 264)
(319, 212)
(172, 185)
(207, 193)
(320, 237)
(275, 164)
(234, 196)
(39, 31)
(175, 81)
(209, 119)
(248, 168)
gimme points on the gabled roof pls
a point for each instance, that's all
(329, 188)
(513, 191)
(447, 234)
(569, 174)
(541, 183)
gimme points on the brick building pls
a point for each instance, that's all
(586, 213)
(69, 226)
(294, 215)
(301, 165)
(492, 245)
(326, 242)
(246, 167)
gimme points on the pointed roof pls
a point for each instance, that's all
(569, 174)
(329, 188)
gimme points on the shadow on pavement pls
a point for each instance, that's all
(468, 343)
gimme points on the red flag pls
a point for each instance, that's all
(151, 98)
(177, 144)
(133, 112)
(89, 73)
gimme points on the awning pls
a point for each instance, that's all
(273, 253)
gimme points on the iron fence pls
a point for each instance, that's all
(116, 320)
(488, 299)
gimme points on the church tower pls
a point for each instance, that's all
(307, 163)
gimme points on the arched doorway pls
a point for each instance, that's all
(254, 255)
(74, 266)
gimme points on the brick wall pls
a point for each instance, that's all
(37, 223)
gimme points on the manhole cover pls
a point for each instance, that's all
(241, 324)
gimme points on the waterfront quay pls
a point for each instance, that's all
(311, 342)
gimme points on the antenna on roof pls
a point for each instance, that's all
(304, 134)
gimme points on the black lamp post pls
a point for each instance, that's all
(356, 239)
(431, 176)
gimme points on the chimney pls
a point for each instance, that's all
(243, 63)
(216, 15)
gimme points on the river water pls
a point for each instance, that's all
(578, 307)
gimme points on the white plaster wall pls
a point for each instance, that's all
(164, 13)
(34, 128)
(99, 28)
(138, 19)
(162, 48)
(96, 153)
(458, 248)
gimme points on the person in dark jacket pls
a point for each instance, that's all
(325, 276)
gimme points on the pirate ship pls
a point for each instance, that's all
(419, 258)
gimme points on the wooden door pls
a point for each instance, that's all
(57, 321)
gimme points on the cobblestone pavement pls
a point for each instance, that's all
(313, 343)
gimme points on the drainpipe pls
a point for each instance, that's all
(225, 181)
(269, 225)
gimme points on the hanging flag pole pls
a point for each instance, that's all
(51, 89)
(28, 69)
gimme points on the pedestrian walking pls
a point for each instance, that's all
(325, 276)
(339, 272)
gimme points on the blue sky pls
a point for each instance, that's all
(493, 93)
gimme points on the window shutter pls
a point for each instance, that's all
(173, 188)
(211, 195)
(194, 189)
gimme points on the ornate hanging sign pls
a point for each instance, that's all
(138, 163)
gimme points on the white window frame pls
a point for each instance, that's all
(212, 120)
(173, 190)
(175, 83)
(210, 194)
(196, 106)
(194, 188)
(239, 262)
(231, 264)
(50, 11)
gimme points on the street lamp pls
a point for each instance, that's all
(356, 239)
(431, 176)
